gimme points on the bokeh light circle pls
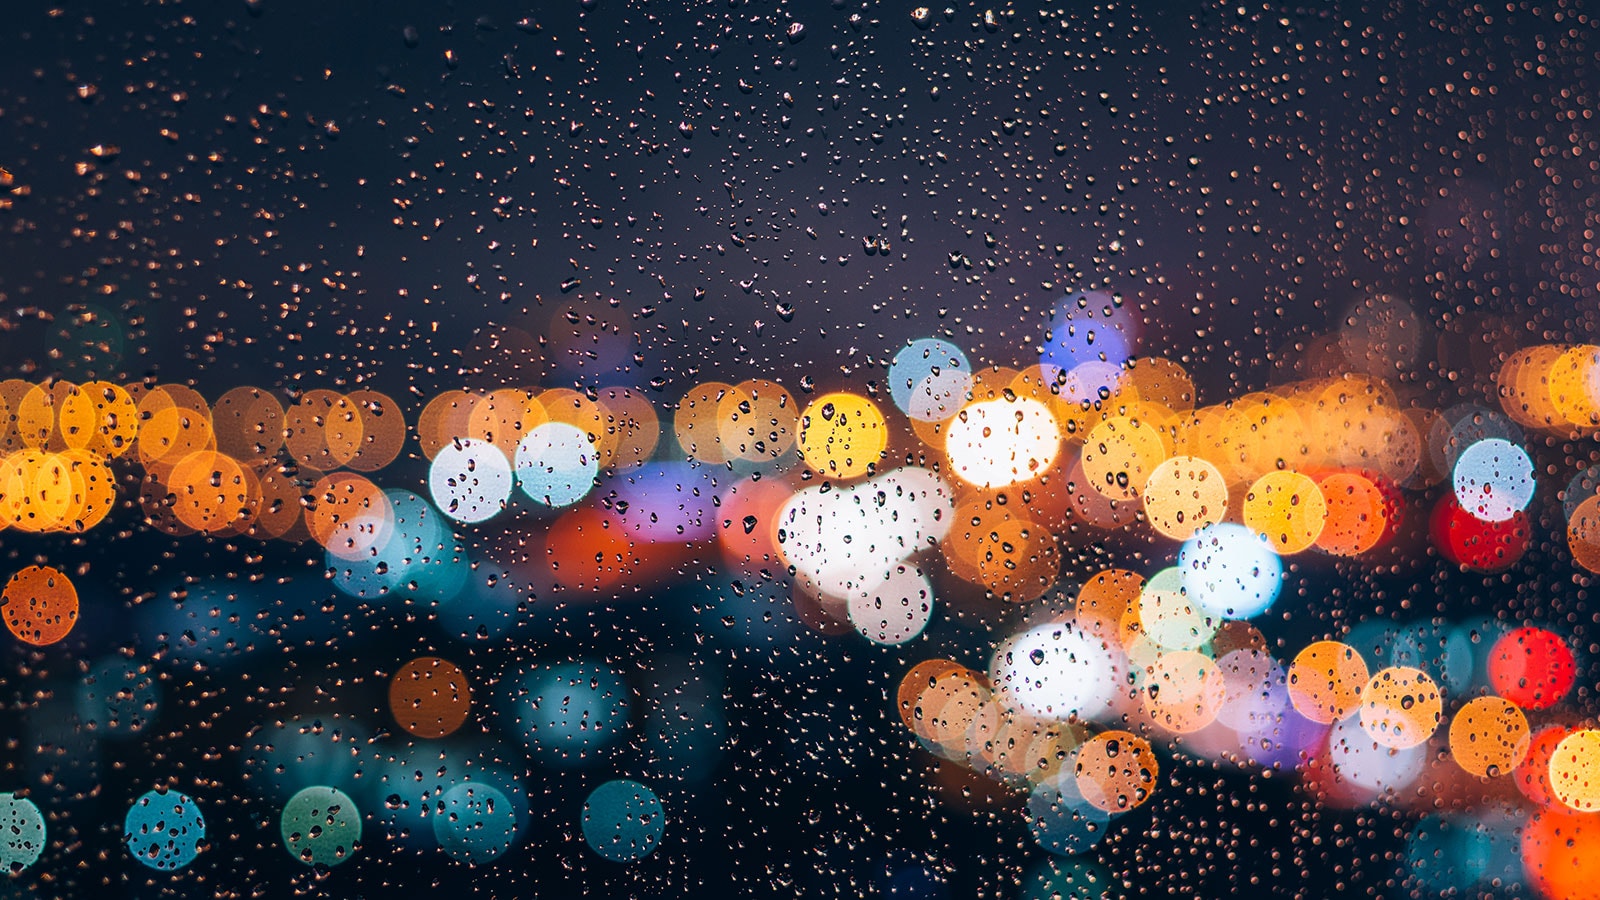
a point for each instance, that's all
(39, 605)
(1532, 667)
(1183, 495)
(1489, 736)
(470, 480)
(556, 464)
(1561, 854)
(1116, 771)
(566, 712)
(1169, 616)
(430, 697)
(925, 375)
(895, 610)
(1054, 671)
(22, 833)
(842, 435)
(1575, 770)
(1401, 707)
(1118, 456)
(1288, 509)
(164, 830)
(623, 820)
(1493, 480)
(321, 826)
(995, 443)
(1326, 680)
(476, 823)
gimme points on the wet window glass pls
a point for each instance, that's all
(770, 448)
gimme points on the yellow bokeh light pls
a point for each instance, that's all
(1489, 736)
(1287, 507)
(1118, 456)
(1400, 707)
(1326, 680)
(1571, 386)
(1184, 494)
(843, 435)
(1575, 770)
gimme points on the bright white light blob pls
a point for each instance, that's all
(1054, 671)
(556, 464)
(999, 442)
(1230, 571)
(846, 540)
(895, 610)
(470, 480)
(1494, 480)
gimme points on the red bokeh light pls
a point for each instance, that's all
(1474, 543)
(1532, 668)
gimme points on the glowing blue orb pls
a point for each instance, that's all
(21, 832)
(1494, 480)
(476, 824)
(556, 464)
(623, 820)
(321, 826)
(164, 831)
(924, 371)
(1090, 326)
(1230, 571)
(566, 712)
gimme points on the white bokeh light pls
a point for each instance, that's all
(999, 442)
(470, 480)
(1055, 671)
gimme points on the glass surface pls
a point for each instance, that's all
(657, 449)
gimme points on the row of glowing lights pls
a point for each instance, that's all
(321, 826)
(573, 710)
(1142, 449)
(1008, 548)
(996, 428)
(1027, 721)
